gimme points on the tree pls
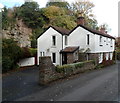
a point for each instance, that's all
(30, 13)
(11, 53)
(84, 7)
(57, 16)
(61, 4)
(5, 22)
(105, 26)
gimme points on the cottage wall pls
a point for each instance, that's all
(44, 44)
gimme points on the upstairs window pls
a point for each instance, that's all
(106, 41)
(41, 54)
(111, 44)
(100, 41)
(54, 40)
(88, 39)
(66, 40)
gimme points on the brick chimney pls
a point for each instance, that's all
(80, 20)
(102, 29)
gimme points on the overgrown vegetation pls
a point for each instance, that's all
(12, 53)
(60, 14)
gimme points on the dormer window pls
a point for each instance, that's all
(66, 40)
(54, 40)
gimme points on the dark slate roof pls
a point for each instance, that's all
(61, 30)
(94, 31)
(64, 31)
(70, 49)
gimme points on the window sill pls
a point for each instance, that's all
(53, 46)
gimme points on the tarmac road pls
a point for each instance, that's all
(96, 85)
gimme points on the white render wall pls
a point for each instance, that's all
(79, 38)
(44, 44)
(105, 47)
(27, 62)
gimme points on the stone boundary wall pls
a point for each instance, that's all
(48, 72)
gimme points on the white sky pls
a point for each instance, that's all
(105, 11)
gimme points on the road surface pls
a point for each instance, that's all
(96, 85)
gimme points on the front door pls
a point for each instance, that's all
(64, 58)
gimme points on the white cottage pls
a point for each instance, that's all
(64, 46)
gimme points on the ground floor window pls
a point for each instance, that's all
(54, 57)
(107, 56)
(111, 56)
(100, 57)
(42, 54)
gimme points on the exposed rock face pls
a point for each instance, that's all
(20, 32)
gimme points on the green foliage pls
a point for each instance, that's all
(28, 52)
(36, 33)
(8, 19)
(99, 66)
(11, 53)
(33, 51)
(30, 13)
(58, 17)
(58, 4)
(63, 68)
(69, 68)
(7, 63)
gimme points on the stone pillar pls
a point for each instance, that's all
(46, 70)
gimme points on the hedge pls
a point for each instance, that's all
(67, 68)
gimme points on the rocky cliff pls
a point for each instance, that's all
(19, 32)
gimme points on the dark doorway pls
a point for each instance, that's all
(64, 58)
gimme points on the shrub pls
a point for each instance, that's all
(78, 65)
(33, 51)
(25, 52)
(63, 68)
(11, 53)
(7, 63)
(71, 67)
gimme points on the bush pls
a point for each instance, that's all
(25, 52)
(11, 53)
(63, 68)
(7, 63)
(33, 51)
